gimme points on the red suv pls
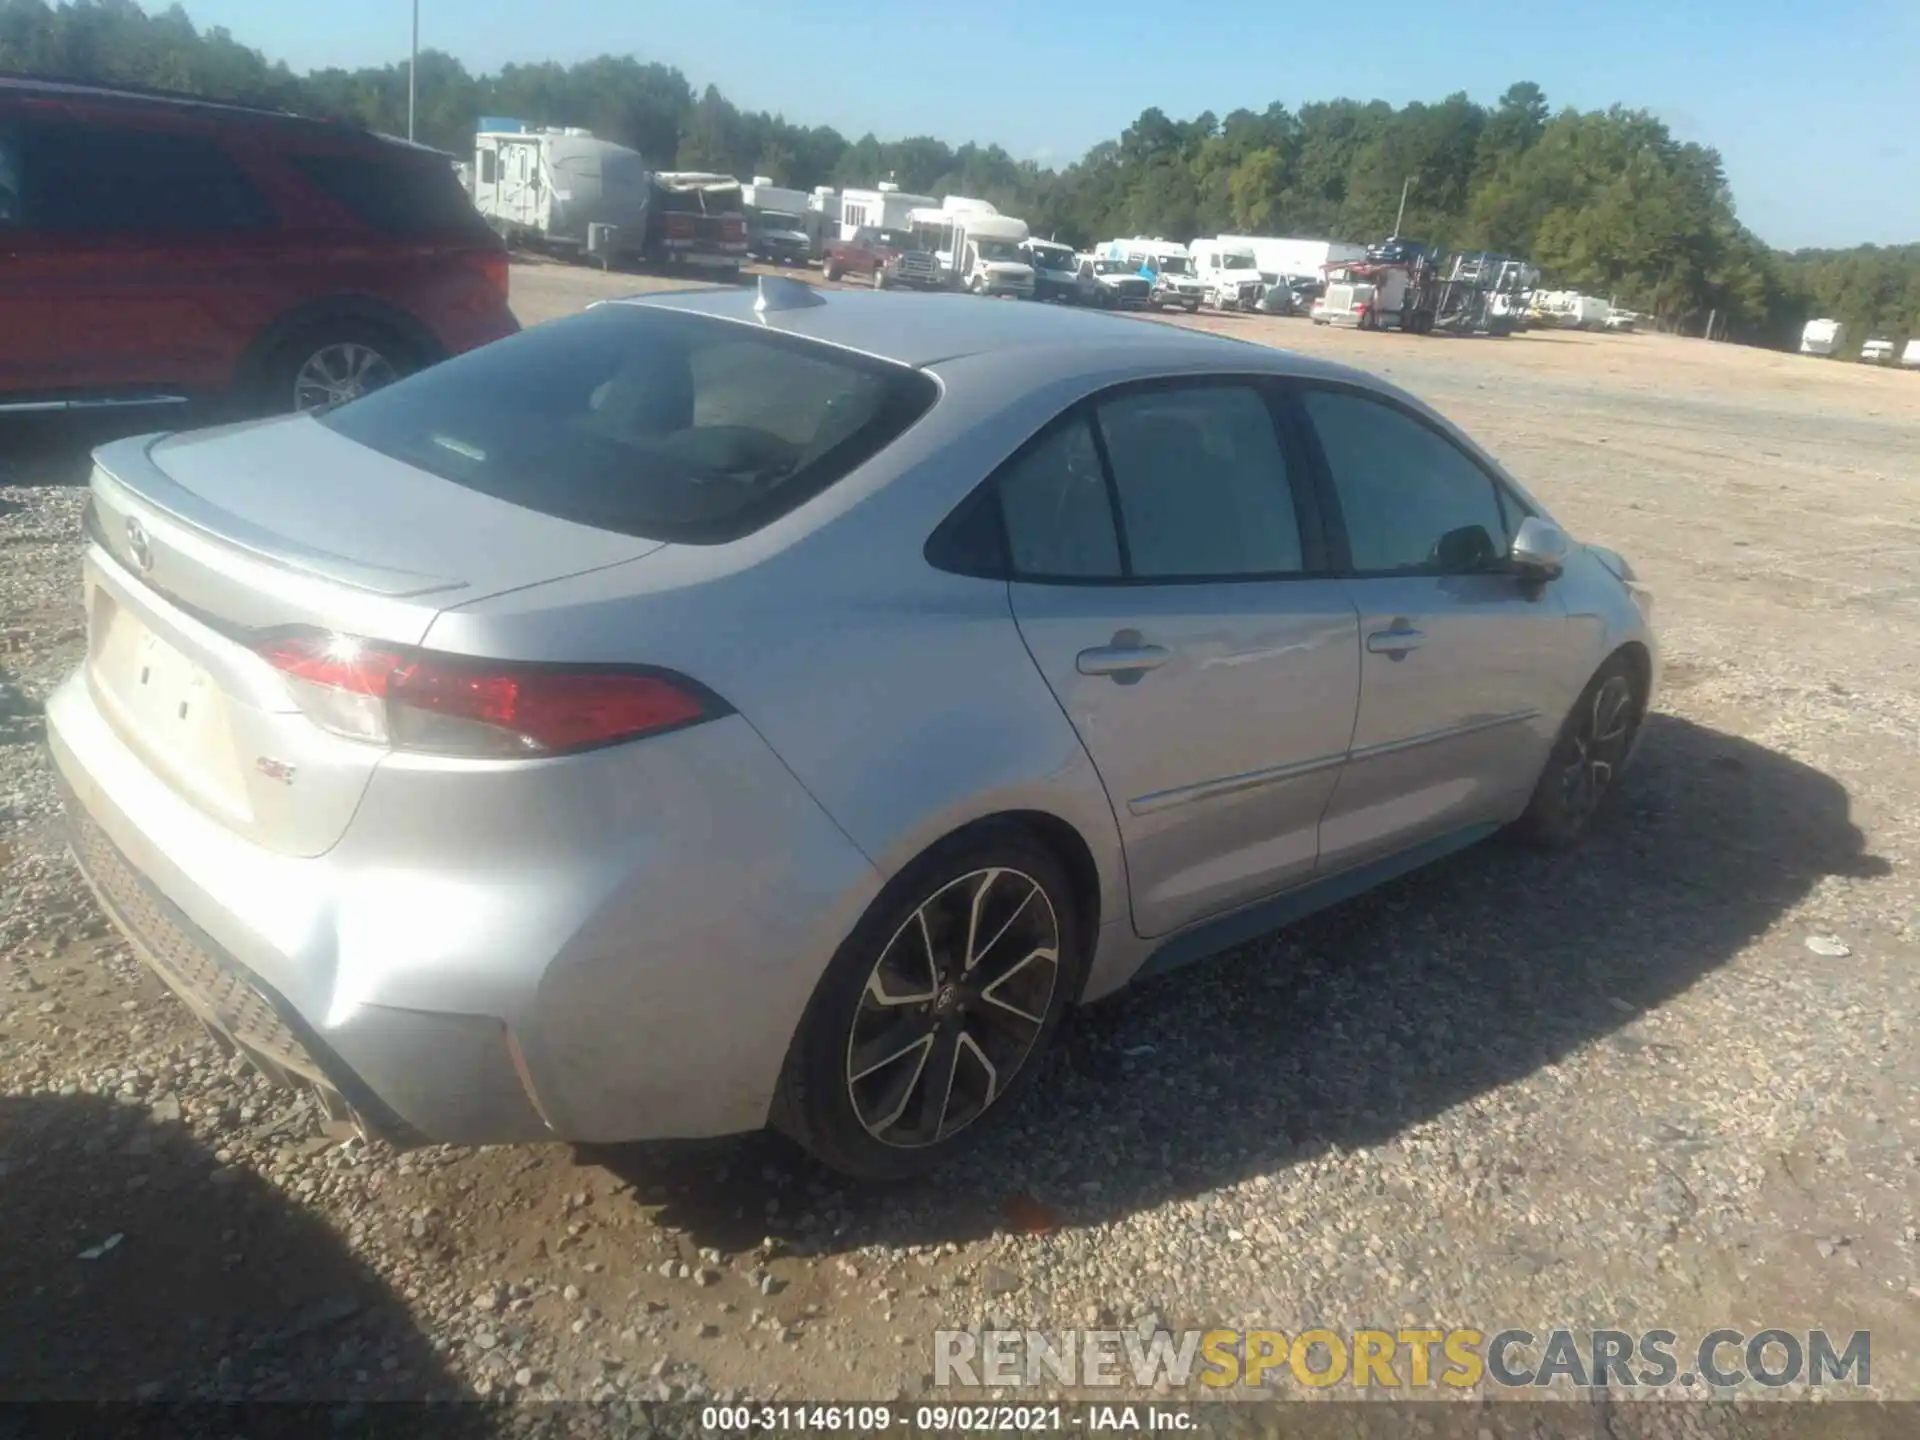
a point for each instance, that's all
(161, 250)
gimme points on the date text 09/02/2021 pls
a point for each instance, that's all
(942, 1419)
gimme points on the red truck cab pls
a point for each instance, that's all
(884, 257)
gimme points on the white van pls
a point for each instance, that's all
(1228, 272)
(1165, 264)
(978, 248)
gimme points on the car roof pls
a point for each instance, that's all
(922, 330)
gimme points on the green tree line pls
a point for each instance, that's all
(1607, 202)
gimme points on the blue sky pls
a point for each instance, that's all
(1815, 107)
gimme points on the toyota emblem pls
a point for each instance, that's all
(138, 545)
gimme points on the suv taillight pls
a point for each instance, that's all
(458, 705)
(493, 268)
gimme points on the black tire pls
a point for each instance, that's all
(1584, 765)
(278, 383)
(829, 270)
(840, 1116)
(879, 278)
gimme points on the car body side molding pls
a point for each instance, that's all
(1214, 936)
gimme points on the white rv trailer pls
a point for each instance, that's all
(1877, 351)
(885, 207)
(1911, 355)
(1822, 337)
(1285, 259)
(546, 187)
(763, 194)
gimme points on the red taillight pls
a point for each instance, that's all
(493, 268)
(679, 227)
(533, 710)
(732, 227)
(454, 705)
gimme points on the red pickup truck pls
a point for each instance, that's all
(886, 257)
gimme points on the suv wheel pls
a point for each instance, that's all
(329, 364)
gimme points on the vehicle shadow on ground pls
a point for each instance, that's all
(137, 1267)
(1347, 1028)
(58, 449)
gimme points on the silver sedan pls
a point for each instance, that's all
(706, 713)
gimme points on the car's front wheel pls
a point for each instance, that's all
(1587, 758)
(932, 1017)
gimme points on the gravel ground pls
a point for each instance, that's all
(1667, 1081)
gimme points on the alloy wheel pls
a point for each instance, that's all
(953, 1007)
(1599, 748)
(343, 371)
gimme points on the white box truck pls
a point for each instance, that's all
(1282, 259)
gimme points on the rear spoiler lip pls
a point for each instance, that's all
(126, 469)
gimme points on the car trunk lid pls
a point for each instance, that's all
(205, 543)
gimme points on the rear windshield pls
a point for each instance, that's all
(647, 422)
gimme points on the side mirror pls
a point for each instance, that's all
(1540, 549)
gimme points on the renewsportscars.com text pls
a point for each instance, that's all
(1403, 1359)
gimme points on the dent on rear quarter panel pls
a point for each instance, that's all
(669, 1013)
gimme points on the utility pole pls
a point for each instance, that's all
(413, 69)
(1406, 185)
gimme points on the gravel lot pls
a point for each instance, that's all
(1619, 1088)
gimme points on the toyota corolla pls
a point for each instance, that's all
(710, 712)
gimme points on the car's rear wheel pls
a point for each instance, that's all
(931, 1020)
(331, 363)
(1587, 758)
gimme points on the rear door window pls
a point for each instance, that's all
(412, 197)
(101, 180)
(645, 421)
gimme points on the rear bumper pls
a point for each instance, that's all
(242, 1014)
(519, 953)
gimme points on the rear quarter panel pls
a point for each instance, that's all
(900, 697)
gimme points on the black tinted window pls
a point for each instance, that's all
(93, 179)
(9, 176)
(1202, 482)
(1412, 500)
(418, 197)
(1059, 518)
(670, 426)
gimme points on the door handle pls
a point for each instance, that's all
(1126, 658)
(1397, 642)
